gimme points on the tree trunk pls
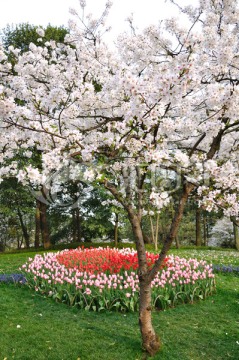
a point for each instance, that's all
(24, 229)
(198, 227)
(44, 226)
(78, 225)
(37, 224)
(2, 246)
(177, 242)
(19, 241)
(157, 232)
(73, 226)
(150, 340)
(116, 227)
(236, 235)
(152, 228)
(205, 230)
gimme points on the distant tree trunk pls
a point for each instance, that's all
(152, 228)
(24, 229)
(2, 246)
(235, 223)
(236, 235)
(205, 230)
(78, 224)
(116, 227)
(44, 226)
(154, 231)
(37, 224)
(177, 242)
(157, 232)
(147, 239)
(19, 240)
(198, 227)
(73, 226)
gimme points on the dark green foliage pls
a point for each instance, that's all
(13, 195)
(97, 86)
(60, 225)
(21, 35)
(16, 212)
(97, 217)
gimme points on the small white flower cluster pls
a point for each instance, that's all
(40, 32)
(159, 200)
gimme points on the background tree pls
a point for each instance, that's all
(20, 36)
(17, 209)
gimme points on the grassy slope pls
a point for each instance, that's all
(206, 330)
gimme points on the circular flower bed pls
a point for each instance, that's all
(99, 279)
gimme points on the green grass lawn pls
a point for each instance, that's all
(221, 257)
(34, 327)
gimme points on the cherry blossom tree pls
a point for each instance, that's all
(164, 99)
(222, 232)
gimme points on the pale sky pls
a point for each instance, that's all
(56, 12)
